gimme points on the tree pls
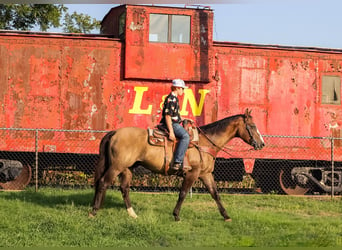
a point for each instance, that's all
(79, 23)
(44, 16)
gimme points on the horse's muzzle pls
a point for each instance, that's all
(257, 146)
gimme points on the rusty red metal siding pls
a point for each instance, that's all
(60, 83)
(98, 83)
(64, 79)
(283, 88)
(166, 61)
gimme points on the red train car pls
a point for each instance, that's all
(120, 77)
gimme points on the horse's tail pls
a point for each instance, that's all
(104, 160)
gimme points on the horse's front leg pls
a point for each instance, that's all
(210, 183)
(126, 178)
(189, 179)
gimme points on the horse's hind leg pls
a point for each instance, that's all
(126, 177)
(209, 182)
(100, 189)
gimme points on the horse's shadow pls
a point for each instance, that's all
(57, 198)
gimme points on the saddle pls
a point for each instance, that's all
(158, 136)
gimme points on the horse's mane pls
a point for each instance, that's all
(218, 126)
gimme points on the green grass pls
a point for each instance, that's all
(56, 217)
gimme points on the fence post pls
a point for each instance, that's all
(36, 154)
(332, 167)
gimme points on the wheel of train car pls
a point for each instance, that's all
(288, 185)
(20, 182)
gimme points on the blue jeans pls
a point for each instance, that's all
(183, 142)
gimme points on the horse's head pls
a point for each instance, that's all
(249, 132)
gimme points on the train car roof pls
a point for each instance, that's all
(55, 34)
(277, 47)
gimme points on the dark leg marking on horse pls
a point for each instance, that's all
(125, 178)
(210, 183)
(101, 188)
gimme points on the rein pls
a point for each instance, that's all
(224, 148)
(213, 143)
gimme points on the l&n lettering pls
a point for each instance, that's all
(189, 97)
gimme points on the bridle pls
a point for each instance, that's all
(252, 141)
(224, 148)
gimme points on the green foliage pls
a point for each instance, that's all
(69, 177)
(79, 23)
(66, 178)
(45, 16)
(59, 218)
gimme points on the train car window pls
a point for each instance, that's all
(180, 32)
(158, 28)
(331, 90)
(169, 28)
(122, 21)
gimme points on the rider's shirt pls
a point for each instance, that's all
(171, 108)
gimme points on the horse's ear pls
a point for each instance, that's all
(248, 112)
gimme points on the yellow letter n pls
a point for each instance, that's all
(189, 97)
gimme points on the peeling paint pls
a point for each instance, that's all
(91, 70)
(135, 27)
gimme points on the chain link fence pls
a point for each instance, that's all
(65, 158)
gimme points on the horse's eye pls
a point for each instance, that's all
(252, 126)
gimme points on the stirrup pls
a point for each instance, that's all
(176, 166)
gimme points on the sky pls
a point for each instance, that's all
(305, 23)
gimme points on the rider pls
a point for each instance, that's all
(171, 120)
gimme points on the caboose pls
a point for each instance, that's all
(119, 78)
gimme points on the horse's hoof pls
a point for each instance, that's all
(177, 219)
(131, 213)
(228, 220)
(92, 214)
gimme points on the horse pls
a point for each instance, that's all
(120, 150)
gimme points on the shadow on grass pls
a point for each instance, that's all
(54, 197)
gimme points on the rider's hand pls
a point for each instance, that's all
(172, 137)
(187, 121)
